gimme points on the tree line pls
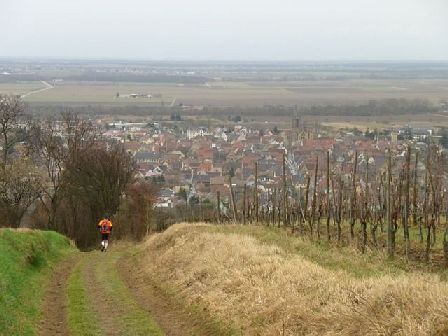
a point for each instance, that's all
(65, 176)
(373, 108)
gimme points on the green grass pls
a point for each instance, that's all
(81, 317)
(26, 258)
(134, 320)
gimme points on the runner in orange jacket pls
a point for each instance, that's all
(105, 227)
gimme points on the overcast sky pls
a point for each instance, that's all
(226, 29)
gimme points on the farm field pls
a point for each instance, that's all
(379, 122)
(19, 88)
(97, 94)
(225, 93)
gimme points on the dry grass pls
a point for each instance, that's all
(264, 290)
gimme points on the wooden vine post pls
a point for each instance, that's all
(365, 210)
(218, 205)
(232, 199)
(328, 196)
(390, 228)
(244, 203)
(340, 196)
(353, 205)
(314, 202)
(307, 192)
(256, 192)
(285, 194)
(414, 200)
(407, 202)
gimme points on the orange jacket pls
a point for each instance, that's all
(105, 225)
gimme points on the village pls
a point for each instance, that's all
(197, 165)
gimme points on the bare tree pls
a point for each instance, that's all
(50, 148)
(20, 186)
(135, 217)
(11, 108)
(95, 179)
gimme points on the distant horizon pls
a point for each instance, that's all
(229, 60)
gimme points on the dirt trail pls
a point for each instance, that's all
(115, 308)
(123, 300)
(170, 315)
(54, 320)
(102, 304)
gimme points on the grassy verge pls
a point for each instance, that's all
(26, 258)
(81, 317)
(134, 320)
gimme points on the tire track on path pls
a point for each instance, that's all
(173, 317)
(54, 320)
(117, 311)
(123, 301)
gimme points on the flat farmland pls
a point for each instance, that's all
(380, 122)
(250, 93)
(99, 94)
(19, 88)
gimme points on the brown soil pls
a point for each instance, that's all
(54, 320)
(172, 317)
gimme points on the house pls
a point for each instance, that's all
(218, 184)
(147, 157)
(157, 171)
(165, 199)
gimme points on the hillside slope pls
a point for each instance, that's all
(26, 259)
(252, 279)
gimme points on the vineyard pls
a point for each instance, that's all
(399, 207)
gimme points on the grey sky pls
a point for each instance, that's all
(226, 29)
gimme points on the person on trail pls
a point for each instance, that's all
(105, 227)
